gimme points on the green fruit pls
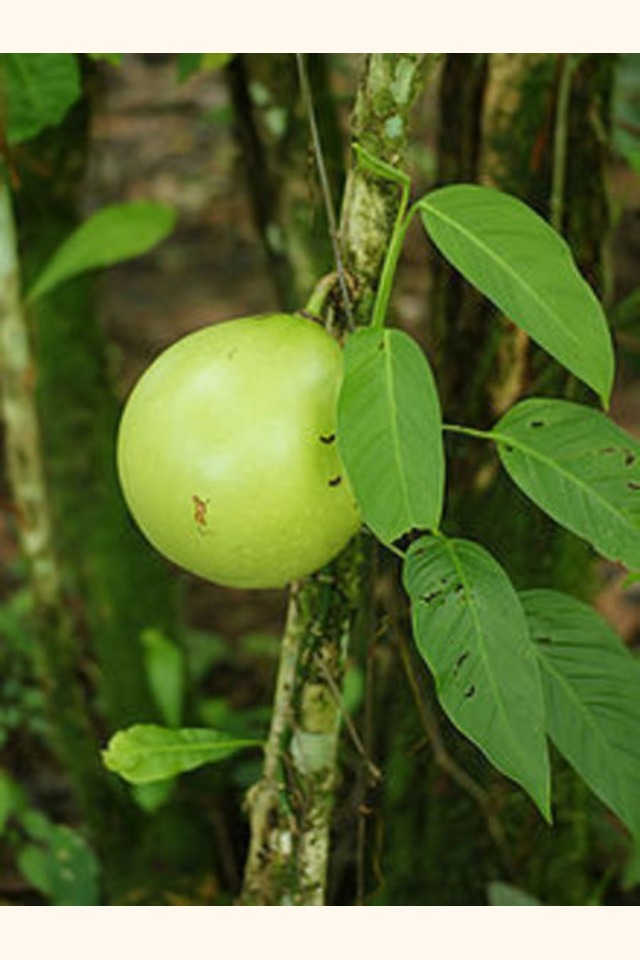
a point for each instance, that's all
(227, 454)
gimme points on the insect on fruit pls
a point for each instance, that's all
(227, 455)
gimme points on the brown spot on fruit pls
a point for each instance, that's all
(200, 510)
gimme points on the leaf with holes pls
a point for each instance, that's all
(470, 628)
(580, 468)
(592, 692)
(145, 753)
(522, 265)
(390, 433)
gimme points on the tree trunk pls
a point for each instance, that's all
(118, 584)
(291, 806)
(57, 652)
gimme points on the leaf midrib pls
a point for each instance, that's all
(478, 628)
(590, 492)
(191, 747)
(573, 696)
(395, 439)
(504, 264)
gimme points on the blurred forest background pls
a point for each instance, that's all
(227, 146)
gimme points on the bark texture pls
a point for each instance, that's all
(118, 585)
(71, 731)
(291, 807)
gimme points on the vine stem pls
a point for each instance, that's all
(381, 306)
(305, 88)
(559, 174)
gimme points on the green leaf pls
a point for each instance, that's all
(506, 895)
(592, 693)
(38, 89)
(470, 629)
(190, 63)
(580, 468)
(625, 316)
(151, 796)
(631, 871)
(66, 869)
(12, 799)
(115, 59)
(165, 667)
(111, 235)
(145, 753)
(526, 269)
(390, 433)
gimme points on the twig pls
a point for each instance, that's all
(374, 772)
(325, 187)
(569, 63)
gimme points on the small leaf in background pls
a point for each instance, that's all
(37, 825)
(65, 869)
(111, 235)
(12, 799)
(471, 630)
(115, 59)
(626, 109)
(505, 895)
(580, 468)
(145, 753)
(526, 269)
(354, 688)
(592, 692)
(190, 63)
(165, 668)
(38, 89)
(390, 433)
(203, 650)
(631, 870)
(151, 796)
(625, 316)
(217, 713)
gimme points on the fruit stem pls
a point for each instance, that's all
(316, 303)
